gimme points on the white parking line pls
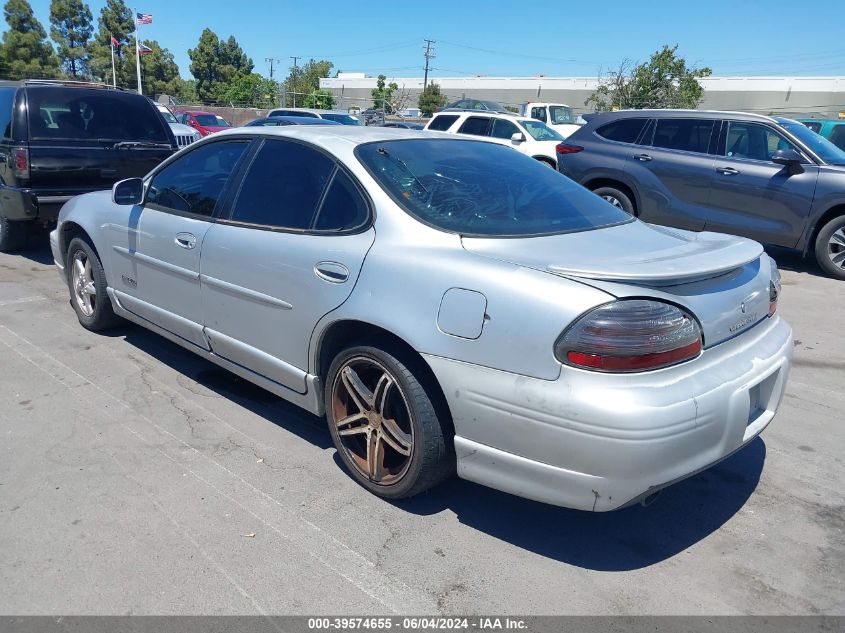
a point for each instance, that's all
(11, 302)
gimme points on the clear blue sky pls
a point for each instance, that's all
(567, 38)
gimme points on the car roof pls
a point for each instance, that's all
(197, 112)
(337, 136)
(678, 113)
(313, 110)
(513, 116)
(297, 120)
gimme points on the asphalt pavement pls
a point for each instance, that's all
(136, 478)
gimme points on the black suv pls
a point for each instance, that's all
(61, 139)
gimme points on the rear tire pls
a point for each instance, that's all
(617, 198)
(12, 235)
(830, 248)
(87, 284)
(392, 441)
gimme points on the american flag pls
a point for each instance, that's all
(144, 18)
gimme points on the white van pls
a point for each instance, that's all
(556, 115)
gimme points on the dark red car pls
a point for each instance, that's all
(204, 122)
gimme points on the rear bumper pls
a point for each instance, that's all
(597, 441)
(30, 204)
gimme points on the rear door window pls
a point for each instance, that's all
(79, 114)
(688, 135)
(194, 182)
(476, 125)
(442, 122)
(283, 186)
(343, 207)
(7, 101)
(622, 130)
(837, 136)
(539, 114)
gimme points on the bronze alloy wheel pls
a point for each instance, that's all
(373, 420)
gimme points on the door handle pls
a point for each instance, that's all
(727, 171)
(186, 240)
(643, 158)
(332, 272)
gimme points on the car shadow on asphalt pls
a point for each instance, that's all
(226, 384)
(623, 540)
(792, 260)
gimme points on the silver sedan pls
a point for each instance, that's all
(447, 304)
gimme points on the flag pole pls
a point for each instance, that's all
(137, 51)
(113, 75)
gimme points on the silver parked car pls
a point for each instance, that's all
(447, 304)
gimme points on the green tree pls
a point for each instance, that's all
(430, 99)
(252, 90)
(71, 28)
(321, 99)
(383, 94)
(116, 21)
(215, 64)
(304, 80)
(664, 81)
(25, 52)
(159, 72)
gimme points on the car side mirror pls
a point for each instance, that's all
(787, 157)
(518, 137)
(129, 191)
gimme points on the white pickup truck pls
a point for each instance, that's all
(556, 115)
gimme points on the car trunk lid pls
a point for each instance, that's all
(722, 280)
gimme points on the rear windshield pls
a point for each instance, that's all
(561, 114)
(211, 120)
(73, 113)
(483, 189)
(344, 119)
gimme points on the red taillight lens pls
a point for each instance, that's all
(565, 148)
(20, 162)
(630, 335)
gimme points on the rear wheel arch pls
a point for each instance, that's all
(597, 183)
(346, 333)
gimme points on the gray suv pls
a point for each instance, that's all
(768, 178)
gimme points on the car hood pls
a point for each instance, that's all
(634, 252)
(181, 129)
(721, 279)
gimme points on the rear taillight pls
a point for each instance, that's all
(20, 162)
(565, 148)
(774, 288)
(630, 335)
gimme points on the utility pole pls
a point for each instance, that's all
(429, 54)
(294, 79)
(272, 61)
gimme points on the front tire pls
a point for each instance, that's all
(617, 198)
(384, 424)
(87, 284)
(830, 248)
(13, 235)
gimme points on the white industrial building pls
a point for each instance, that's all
(793, 96)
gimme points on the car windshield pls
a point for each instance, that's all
(168, 117)
(485, 189)
(823, 148)
(561, 114)
(344, 119)
(539, 131)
